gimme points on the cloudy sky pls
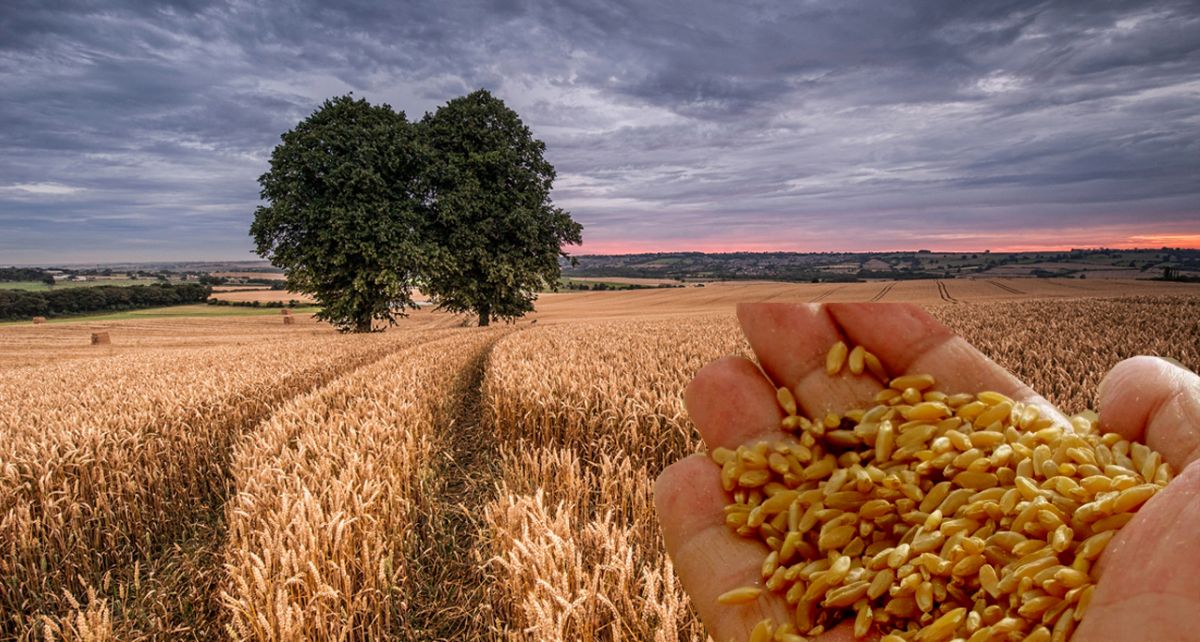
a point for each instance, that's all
(135, 130)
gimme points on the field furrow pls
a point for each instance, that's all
(944, 292)
(1007, 288)
(883, 292)
(448, 583)
(321, 537)
(112, 470)
(827, 293)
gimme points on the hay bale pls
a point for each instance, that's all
(286, 312)
(39, 320)
(100, 338)
(289, 320)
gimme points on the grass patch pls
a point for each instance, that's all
(174, 311)
(568, 284)
(38, 286)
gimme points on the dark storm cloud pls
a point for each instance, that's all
(137, 130)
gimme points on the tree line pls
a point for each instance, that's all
(11, 274)
(364, 206)
(20, 304)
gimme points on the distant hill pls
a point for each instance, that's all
(176, 266)
(666, 267)
(1184, 264)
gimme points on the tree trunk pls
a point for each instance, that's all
(363, 325)
(485, 315)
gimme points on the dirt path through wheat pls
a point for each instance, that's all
(447, 584)
(188, 569)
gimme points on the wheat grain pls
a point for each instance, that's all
(835, 358)
(955, 515)
(743, 595)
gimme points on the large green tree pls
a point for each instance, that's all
(344, 211)
(496, 236)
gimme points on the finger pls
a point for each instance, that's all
(791, 342)
(1150, 400)
(709, 558)
(732, 403)
(1148, 588)
(908, 340)
(844, 632)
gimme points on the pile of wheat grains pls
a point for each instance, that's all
(930, 517)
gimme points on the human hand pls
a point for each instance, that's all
(1147, 589)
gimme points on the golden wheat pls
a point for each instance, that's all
(577, 401)
(591, 413)
(1062, 348)
(103, 462)
(326, 495)
(124, 456)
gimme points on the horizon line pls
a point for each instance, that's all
(1002, 250)
(904, 251)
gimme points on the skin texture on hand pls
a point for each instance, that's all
(1150, 574)
(1149, 586)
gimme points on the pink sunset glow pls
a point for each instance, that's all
(1045, 240)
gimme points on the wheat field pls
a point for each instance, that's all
(247, 481)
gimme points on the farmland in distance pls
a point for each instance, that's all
(238, 478)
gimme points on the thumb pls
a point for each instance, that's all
(1156, 402)
(1147, 588)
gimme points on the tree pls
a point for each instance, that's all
(496, 236)
(345, 210)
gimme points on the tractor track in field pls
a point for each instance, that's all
(448, 593)
(883, 292)
(1006, 288)
(824, 295)
(944, 292)
(190, 566)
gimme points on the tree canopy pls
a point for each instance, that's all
(363, 206)
(344, 211)
(498, 237)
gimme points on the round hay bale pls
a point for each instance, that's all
(289, 320)
(39, 320)
(101, 338)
